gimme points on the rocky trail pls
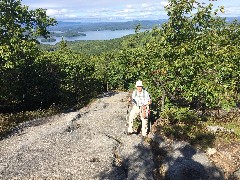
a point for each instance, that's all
(91, 144)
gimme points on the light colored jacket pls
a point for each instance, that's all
(141, 98)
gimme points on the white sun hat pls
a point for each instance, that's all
(139, 83)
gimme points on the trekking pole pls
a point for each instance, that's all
(128, 105)
(127, 111)
(127, 117)
(148, 111)
(149, 119)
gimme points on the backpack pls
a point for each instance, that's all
(144, 94)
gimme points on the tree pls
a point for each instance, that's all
(202, 58)
(19, 29)
(18, 46)
(192, 61)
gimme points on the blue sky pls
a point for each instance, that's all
(116, 10)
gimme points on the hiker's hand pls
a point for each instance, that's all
(134, 101)
(144, 108)
(149, 102)
(129, 99)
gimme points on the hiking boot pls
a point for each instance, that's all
(144, 138)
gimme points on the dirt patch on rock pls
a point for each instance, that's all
(226, 157)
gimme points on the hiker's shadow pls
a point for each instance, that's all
(187, 168)
(136, 165)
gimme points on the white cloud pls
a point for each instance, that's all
(145, 5)
(128, 10)
(134, 9)
(61, 13)
(129, 6)
(229, 11)
(127, 14)
(52, 12)
(164, 3)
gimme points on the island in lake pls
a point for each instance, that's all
(48, 40)
(62, 34)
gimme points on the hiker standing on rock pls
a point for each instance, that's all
(141, 100)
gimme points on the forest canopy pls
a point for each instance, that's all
(191, 61)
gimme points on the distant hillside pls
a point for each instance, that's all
(230, 19)
(85, 26)
(99, 26)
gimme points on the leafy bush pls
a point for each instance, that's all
(184, 124)
(8, 121)
(191, 61)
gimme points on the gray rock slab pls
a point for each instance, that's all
(82, 144)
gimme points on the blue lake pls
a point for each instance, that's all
(96, 35)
